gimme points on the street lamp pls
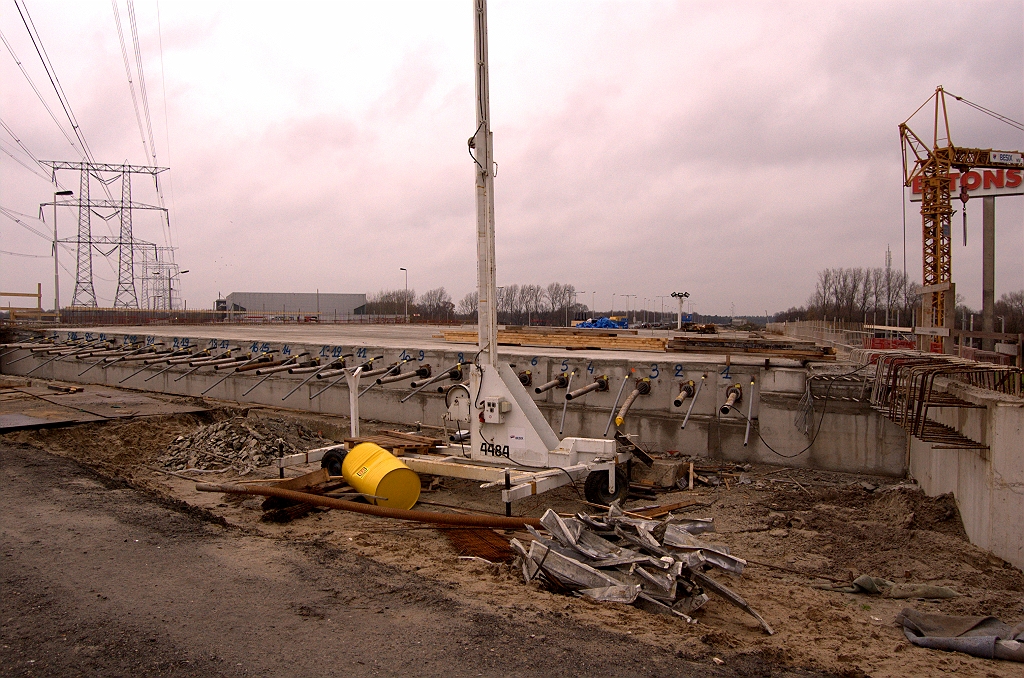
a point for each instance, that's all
(406, 294)
(680, 296)
(56, 274)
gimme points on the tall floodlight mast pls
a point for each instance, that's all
(482, 143)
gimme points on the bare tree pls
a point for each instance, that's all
(436, 304)
(468, 305)
(390, 302)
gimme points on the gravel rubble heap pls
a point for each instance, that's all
(240, 443)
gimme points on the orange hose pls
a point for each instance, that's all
(498, 522)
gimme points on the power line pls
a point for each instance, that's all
(39, 94)
(167, 130)
(37, 42)
(145, 108)
(142, 78)
(128, 72)
(18, 160)
(27, 256)
(27, 152)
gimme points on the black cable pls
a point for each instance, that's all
(39, 94)
(572, 481)
(37, 42)
(820, 421)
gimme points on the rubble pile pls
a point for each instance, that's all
(658, 566)
(240, 443)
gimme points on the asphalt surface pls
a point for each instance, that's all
(98, 578)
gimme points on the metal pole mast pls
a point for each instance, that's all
(85, 293)
(482, 142)
(126, 296)
(56, 271)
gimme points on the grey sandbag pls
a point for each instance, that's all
(985, 637)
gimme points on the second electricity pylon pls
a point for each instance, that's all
(85, 294)
(932, 165)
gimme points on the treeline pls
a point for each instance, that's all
(1010, 308)
(858, 294)
(434, 305)
(864, 294)
(553, 304)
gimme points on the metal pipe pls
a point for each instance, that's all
(306, 369)
(14, 349)
(344, 374)
(135, 358)
(34, 351)
(454, 372)
(462, 520)
(60, 355)
(126, 355)
(565, 404)
(193, 367)
(267, 371)
(611, 414)
(387, 371)
(105, 364)
(251, 364)
(181, 352)
(228, 375)
(191, 357)
(312, 366)
(213, 362)
(327, 374)
(750, 411)
(260, 363)
(421, 372)
(284, 366)
(599, 384)
(147, 363)
(100, 353)
(47, 362)
(174, 362)
(686, 391)
(643, 387)
(64, 346)
(383, 370)
(693, 400)
(561, 381)
(734, 394)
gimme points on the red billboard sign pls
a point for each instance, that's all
(979, 183)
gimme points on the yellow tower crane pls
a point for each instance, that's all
(931, 165)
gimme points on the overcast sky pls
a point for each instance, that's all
(727, 149)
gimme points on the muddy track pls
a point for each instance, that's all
(104, 579)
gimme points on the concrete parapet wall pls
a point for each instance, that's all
(988, 484)
(852, 438)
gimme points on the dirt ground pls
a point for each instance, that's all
(811, 522)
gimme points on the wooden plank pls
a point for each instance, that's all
(305, 482)
(659, 511)
(630, 343)
(412, 437)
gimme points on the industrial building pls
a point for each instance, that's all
(326, 306)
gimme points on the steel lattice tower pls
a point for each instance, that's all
(85, 294)
(125, 296)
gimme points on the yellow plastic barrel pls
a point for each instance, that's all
(372, 470)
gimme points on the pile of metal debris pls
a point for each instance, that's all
(656, 565)
(240, 443)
